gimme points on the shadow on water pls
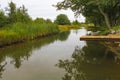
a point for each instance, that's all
(95, 61)
(21, 52)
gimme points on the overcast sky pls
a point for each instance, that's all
(41, 8)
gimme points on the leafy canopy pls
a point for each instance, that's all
(100, 12)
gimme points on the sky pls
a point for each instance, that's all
(42, 9)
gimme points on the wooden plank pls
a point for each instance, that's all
(101, 38)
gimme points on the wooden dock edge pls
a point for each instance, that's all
(101, 38)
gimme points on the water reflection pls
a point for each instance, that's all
(2, 68)
(95, 61)
(21, 52)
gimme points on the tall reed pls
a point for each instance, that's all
(18, 32)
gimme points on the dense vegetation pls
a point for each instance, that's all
(101, 13)
(18, 26)
(19, 32)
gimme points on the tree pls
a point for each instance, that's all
(17, 14)
(62, 19)
(12, 12)
(22, 15)
(3, 19)
(106, 10)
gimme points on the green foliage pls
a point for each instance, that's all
(17, 26)
(42, 21)
(11, 12)
(17, 14)
(22, 15)
(102, 13)
(116, 28)
(39, 20)
(19, 32)
(14, 15)
(3, 19)
(62, 19)
(48, 21)
(75, 22)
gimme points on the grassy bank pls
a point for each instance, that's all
(19, 32)
(64, 28)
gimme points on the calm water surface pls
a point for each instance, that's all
(61, 57)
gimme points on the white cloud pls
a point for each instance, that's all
(41, 8)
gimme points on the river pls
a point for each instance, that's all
(60, 57)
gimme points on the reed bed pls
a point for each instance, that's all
(19, 32)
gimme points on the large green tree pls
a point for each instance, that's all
(103, 11)
(62, 19)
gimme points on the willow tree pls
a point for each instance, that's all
(101, 9)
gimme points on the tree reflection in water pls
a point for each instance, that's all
(21, 52)
(92, 62)
(2, 69)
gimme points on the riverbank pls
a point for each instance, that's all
(104, 30)
(22, 32)
(105, 35)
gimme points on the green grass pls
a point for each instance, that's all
(19, 32)
(64, 28)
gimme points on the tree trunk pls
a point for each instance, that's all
(107, 21)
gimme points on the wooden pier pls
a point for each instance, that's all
(101, 38)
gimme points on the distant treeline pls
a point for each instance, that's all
(12, 15)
